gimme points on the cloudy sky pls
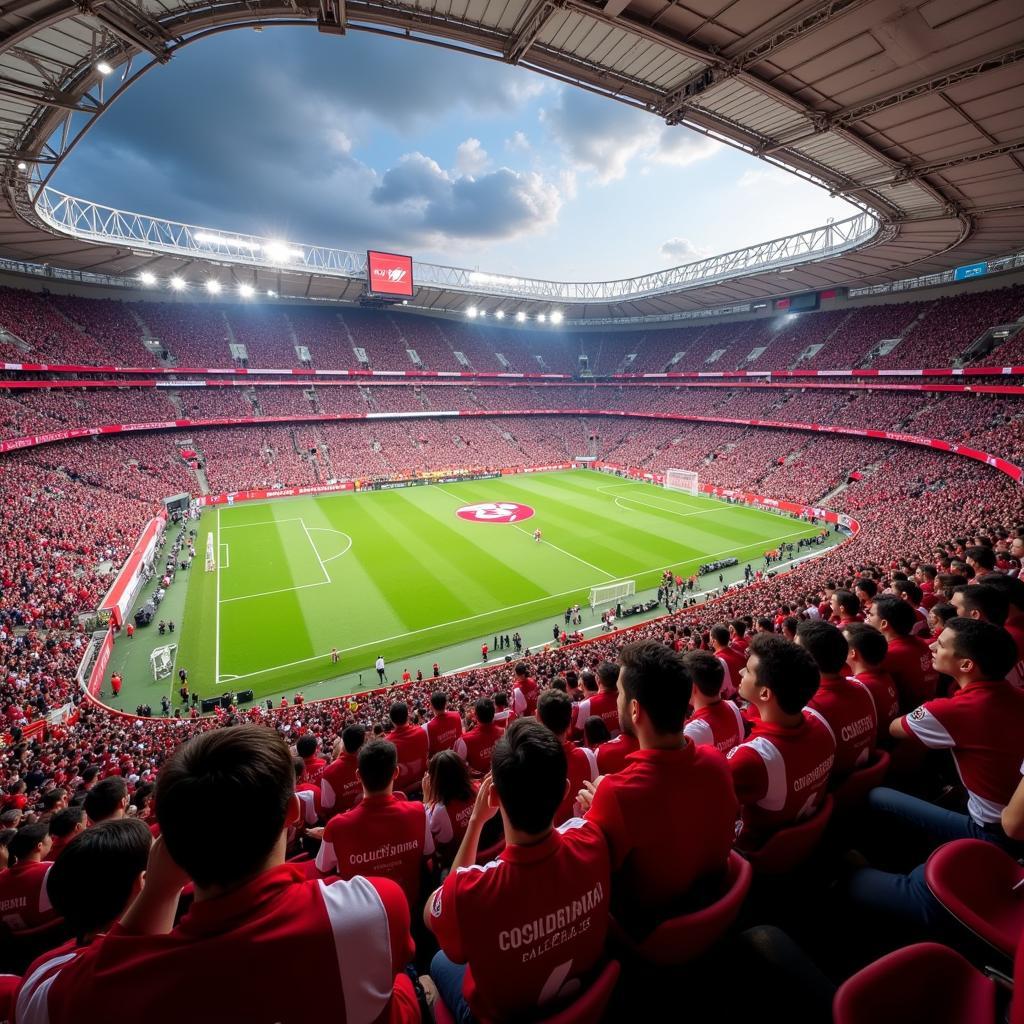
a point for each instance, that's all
(361, 142)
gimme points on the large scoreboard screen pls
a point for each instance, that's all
(388, 275)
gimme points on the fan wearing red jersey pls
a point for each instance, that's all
(715, 722)
(1013, 588)
(382, 835)
(91, 885)
(224, 801)
(604, 704)
(314, 766)
(669, 816)
(613, 754)
(530, 926)
(340, 788)
(865, 658)
(554, 709)
(846, 705)
(738, 637)
(64, 826)
(525, 691)
(411, 744)
(733, 661)
(782, 770)
(475, 747)
(982, 724)
(503, 714)
(444, 728)
(24, 902)
(908, 660)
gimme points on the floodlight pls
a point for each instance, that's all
(541, 318)
(500, 315)
(483, 312)
(520, 317)
(271, 294)
(147, 277)
(472, 312)
(556, 317)
(281, 251)
(104, 68)
(213, 286)
(22, 166)
(246, 291)
(178, 284)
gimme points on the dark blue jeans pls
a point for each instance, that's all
(907, 896)
(448, 976)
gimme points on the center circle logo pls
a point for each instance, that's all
(495, 512)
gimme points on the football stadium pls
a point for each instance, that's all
(416, 459)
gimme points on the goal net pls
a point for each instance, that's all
(610, 593)
(162, 660)
(211, 562)
(681, 480)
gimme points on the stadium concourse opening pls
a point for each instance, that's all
(307, 592)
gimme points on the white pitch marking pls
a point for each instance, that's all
(262, 522)
(323, 568)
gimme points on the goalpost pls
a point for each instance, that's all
(681, 480)
(211, 562)
(611, 593)
(161, 661)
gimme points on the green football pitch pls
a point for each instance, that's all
(399, 573)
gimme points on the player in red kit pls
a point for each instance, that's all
(444, 728)
(522, 933)
(253, 914)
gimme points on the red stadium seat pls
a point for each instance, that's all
(854, 789)
(975, 881)
(682, 938)
(790, 847)
(587, 1009)
(922, 984)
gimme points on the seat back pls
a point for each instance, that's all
(974, 881)
(682, 938)
(791, 846)
(919, 984)
(854, 789)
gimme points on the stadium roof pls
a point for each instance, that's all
(915, 111)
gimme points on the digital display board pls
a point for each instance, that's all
(389, 274)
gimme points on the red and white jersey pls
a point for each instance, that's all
(524, 697)
(24, 903)
(448, 823)
(780, 775)
(529, 924)
(669, 817)
(613, 755)
(603, 705)
(381, 835)
(719, 725)
(582, 767)
(849, 711)
(886, 697)
(733, 663)
(310, 799)
(502, 718)
(475, 747)
(411, 744)
(983, 725)
(442, 731)
(909, 662)
(315, 767)
(340, 788)
(348, 940)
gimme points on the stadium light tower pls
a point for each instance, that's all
(104, 68)
(246, 291)
(520, 317)
(177, 284)
(213, 286)
(147, 277)
(499, 315)
(541, 318)
(472, 312)
(556, 317)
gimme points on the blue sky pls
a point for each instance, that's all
(360, 142)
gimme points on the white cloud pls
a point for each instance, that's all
(680, 250)
(518, 143)
(471, 157)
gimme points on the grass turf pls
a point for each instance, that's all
(397, 573)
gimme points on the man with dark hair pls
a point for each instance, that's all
(64, 826)
(845, 705)
(503, 714)
(866, 657)
(339, 785)
(313, 766)
(983, 726)
(554, 709)
(24, 903)
(525, 691)
(732, 661)
(981, 558)
(980, 601)
(908, 660)
(531, 924)
(107, 800)
(476, 746)
(738, 637)
(604, 704)
(865, 590)
(669, 816)
(444, 728)
(224, 801)
(411, 744)
(782, 770)
(381, 835)
(909, 591)
(1013, 589)
(715, 722)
